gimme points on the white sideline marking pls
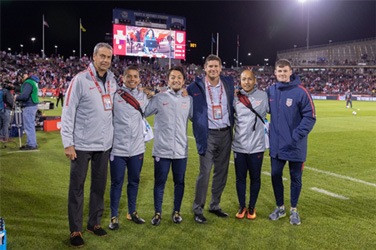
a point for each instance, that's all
(23, 151)
(322, 172)
(322, 191)
(341, 176)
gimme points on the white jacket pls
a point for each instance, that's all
(172, 112)
(85, 123)
(128, 125)
(246, 140)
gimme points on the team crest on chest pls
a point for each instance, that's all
(288, 102)
(184, 105)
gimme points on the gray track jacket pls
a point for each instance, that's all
(84, 122)
(128, 125)
(246, 140)
(172, 112)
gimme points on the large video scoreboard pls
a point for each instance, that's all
(148, 35)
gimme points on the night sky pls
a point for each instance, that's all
(264, 27)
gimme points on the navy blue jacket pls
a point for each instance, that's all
(292, 118)
(200, 122)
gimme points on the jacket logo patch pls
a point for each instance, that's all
(288, 102)
(257, 103)
(184, 105)
(196, 94)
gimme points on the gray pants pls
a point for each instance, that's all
(78, 172)
(217, 154)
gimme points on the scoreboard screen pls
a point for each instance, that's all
(148, 42)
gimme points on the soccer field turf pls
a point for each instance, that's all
(337, 203)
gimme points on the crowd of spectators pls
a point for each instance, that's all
(57, 72)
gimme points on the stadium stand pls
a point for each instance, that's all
(358, 52)
(330, 69)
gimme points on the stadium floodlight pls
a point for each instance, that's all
(33, 40)
(304, 2)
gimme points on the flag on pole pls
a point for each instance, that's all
(82, 28)
(45, 24)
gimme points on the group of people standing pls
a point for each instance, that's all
(116, 132)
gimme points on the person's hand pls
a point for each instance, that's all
(184, 92)
(70, 153)
(149, 92)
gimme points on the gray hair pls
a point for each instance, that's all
(101, 45)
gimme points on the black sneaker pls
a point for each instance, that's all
(114, 224)
(200, 218)
(218, 212)
(97, 230)
(76, 239)
(136, 218)
(156, 219)
(176, 217)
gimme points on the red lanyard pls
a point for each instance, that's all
(96, 82)
(211, 95)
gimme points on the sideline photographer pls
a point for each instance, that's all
(30, 100)
(6, 105)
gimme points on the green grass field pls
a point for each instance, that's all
(337, 204)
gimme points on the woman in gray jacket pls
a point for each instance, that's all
(172, 111)
(249, 141)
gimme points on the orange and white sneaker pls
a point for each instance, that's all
(251, 213)
(241, 213)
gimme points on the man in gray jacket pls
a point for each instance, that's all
(87, 134)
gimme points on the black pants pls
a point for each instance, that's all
(78, 172)
(61, 99)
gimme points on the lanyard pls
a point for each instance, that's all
(96, 82)
(211, 95)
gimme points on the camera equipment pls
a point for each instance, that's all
(16, 116)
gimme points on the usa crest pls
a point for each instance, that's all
(288, 102)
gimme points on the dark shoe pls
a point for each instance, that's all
(76, 239)
(200, 218)
(27, 147)
(176, 217)
(156, 220)
(114, 224)
(218, 212)
(136, 218)
(97, 230)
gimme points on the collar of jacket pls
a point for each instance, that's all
(294, 81)
(248, 93)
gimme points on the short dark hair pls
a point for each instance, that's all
(131, 67)
(213, 58)
(283, 63)
(177, 68)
